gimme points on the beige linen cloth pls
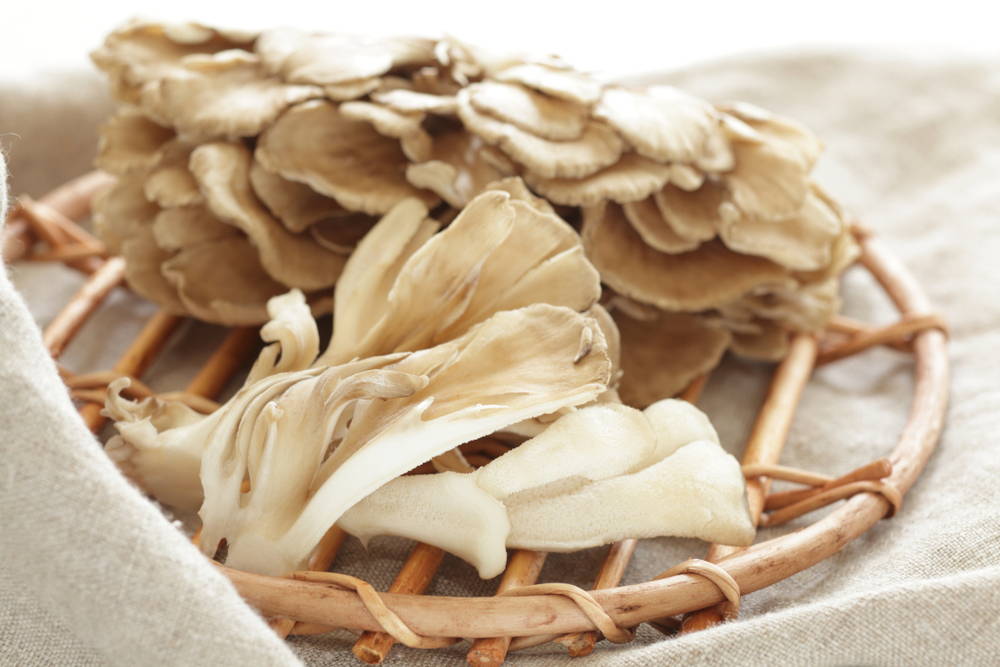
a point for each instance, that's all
(90, 574)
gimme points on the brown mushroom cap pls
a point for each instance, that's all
(342, 158)
(631, 178)
(342, 234)
(222, 281)
(130, 141)
(144, 259)
(407, 127)
(597, 147)
(182, 227)
(326, 59)
(659, 122)
(141, 51)
(803, 241)
(296, 205)
(558, 82)
(662, 356)
(223, 172)
(691, 215)
(404, 100)
(225, 95)
(170, 183)
(541, 115)
(703, 278)
(121, 210)
(457, 171)
(645, 217)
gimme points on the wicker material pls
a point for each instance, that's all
(523, 613)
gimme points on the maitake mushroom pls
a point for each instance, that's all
(511, 332)
(280, 148)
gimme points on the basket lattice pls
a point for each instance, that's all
(692, 595)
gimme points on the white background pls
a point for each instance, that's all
(614, 36)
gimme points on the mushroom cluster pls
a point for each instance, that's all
(253, 163)
(509, 331)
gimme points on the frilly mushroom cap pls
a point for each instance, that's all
(561, 83)
(143, 270)
(630, 179)
(141, 51)
(222, 281)
(169, 183)
(541, 115)
(645, 217)
(659, 122)
(407, 127)
(663, 355)
(691, 215)
(120, 210)
(224, 95)
(295, 205)
(223, 172)
(342, 234)
(803, 241)
(598, 146)
(703, 278)
(456, 170)
(345, 159)
(130, 141)
(412, 101)
(185, 226)
(331, 59)
(497, 255)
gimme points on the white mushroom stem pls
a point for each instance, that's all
(597, 475)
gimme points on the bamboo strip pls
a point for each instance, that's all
(869, 472)
(84, 303)
(234, 351)
(136, 359)
(849, 326)
(523, 569)
(831, 495)
(72, 200)
(897, 332)
(767, 439)
(785, 474)
(52, 227)
(415, 576)
(614, 565)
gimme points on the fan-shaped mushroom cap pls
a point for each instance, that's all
(562, 83)
(769, 180)
(692, 215)
(296, 205)
(185, 226)
(225, 95)
(342, 234)
(497, 255)
(659, 122)
(407, 127)
(223, 172)
(141, 51)
(120, 210)
(541, 115)
(703, 278)
(803, 241)
(410, 101)
(345, 159)
(645, 217)
(329, 59)
(662, 356)
(143, 270)
(598, 146)
(130, 141)
(515, 187)
(222, 281)
(776, 128)
(170, 183)
(457, 171)
(631, 178)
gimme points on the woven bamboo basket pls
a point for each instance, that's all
(695, 594)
